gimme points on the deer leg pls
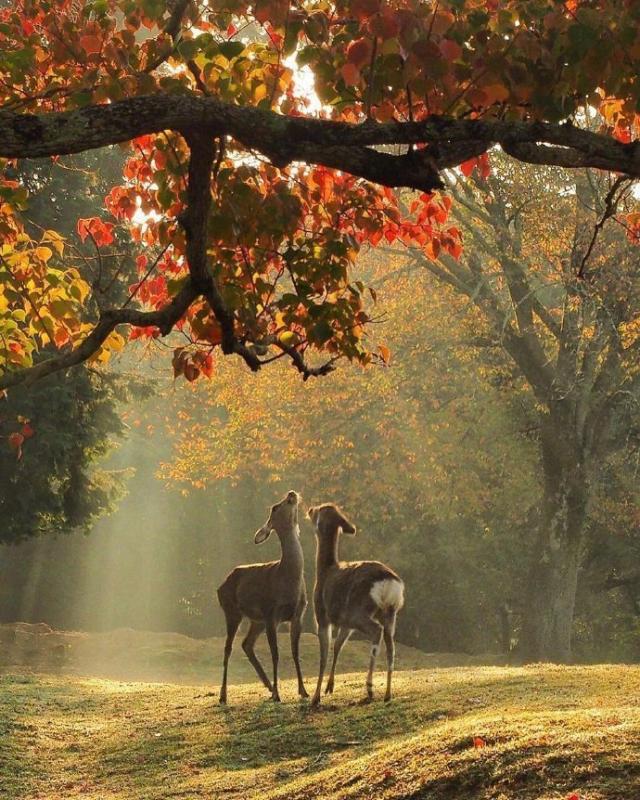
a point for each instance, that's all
(341, 638)
(296, 627)
(389, 629)
(373, 630)
(324, 635)
(272, 636)
(234, 618)
(255, 629)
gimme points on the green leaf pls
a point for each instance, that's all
(231, 49)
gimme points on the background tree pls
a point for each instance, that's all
(52, 484)
(65, 425)
(560, 296)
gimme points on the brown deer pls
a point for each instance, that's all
(353, 595)
(268, 594)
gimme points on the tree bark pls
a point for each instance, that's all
(553, 575)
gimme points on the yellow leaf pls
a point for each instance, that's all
(114, 342)
(55, 239)
(44, 253)
(288, 338)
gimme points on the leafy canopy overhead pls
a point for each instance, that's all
(250, 199)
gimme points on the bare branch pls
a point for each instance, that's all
(610, 208)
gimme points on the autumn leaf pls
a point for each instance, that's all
(16, 440)
(90, 44)
(350, 74)
(359, 52)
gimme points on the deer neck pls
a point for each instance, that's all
(292, 559)
(327, 553)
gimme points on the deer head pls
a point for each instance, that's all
(328, 518)
(283, 518)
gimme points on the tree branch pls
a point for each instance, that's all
(339, 145)
(164, 319)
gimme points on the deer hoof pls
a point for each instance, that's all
(222, 701)
(329, 689)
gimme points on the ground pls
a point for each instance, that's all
(126, 654)
(539, 732)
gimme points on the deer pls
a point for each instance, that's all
(268, 594)
(365, 596)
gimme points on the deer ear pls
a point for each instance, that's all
(346, 526)
(263, 534)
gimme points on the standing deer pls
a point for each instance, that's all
(353, 595)
(268, 594)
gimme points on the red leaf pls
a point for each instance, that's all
(27, 431)
(359, 52)
(101, 232)
(467, 167)
(90, 44)
(450, 50)
(350, 74)
(479, 742)
(16, 441)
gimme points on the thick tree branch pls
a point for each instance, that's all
(334, 144)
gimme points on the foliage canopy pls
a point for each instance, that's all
(249, 200)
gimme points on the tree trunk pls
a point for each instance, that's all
(553, 576)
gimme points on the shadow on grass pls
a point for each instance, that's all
(530, 773)
(269, 733)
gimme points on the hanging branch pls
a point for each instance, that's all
(610, 207)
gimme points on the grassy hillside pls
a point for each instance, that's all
(126, 654)
(548, 732)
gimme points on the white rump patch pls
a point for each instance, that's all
(388, 593)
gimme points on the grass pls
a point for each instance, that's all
(548, 732)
